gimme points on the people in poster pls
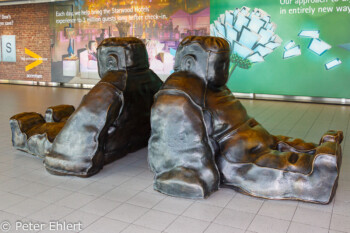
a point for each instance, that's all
(160, 24)
(92, 50)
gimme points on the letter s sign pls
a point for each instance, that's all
(8, 48)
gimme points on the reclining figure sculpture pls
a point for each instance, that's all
(202, 138)
(111, 121)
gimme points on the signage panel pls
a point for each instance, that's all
(8, 48)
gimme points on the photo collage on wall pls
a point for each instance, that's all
(286, 47)
(79, 27)
(283, 47)
(61, 44)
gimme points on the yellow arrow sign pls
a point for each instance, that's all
(38, 61)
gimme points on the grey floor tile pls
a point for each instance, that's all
(155, 220)
(138, 229)
(187, 225)
(312, 217)
(127, 213)
(76, 200)
(245, 203)
(147, 200)
(82, 217)
(263, 224)
(202, 211)
(235, 218)
(279, 209)
(104, 225)
(216, 228)
(296, 227)
(340, 223)
(173, 205)
(100, 206)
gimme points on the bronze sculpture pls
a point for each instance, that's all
(112, 120)
(34, 134)
(203, 138)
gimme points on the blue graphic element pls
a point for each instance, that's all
(309, 34)
(334, 63)
(293, 52)
(250, 33)
(79, 4)
(70, 48)
(172, 51)
(289, 45)
(345, 46)
(319, 46)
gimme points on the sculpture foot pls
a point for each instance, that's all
(57, 164)
(318, 186)
(57, 172)
(65, 173)
(34, 134)
(183, 183)
(332, 136)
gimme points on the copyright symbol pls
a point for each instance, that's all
(5, 226)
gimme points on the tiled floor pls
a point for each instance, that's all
(121, 199)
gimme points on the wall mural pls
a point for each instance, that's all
(286, 47)
(251, 35)
(25, 50)
(78, 27)
(281, 48)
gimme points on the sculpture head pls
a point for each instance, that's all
(206, 56)
(121, 54)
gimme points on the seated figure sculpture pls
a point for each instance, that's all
(202, 138)
(112, 120)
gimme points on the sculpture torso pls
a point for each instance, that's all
(133, 121)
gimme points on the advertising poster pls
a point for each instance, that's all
(79, 26)
(286, 47)
(8, 45)
(25, 42)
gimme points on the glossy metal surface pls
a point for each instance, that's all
(33, 133)
(113, 118)
(202, 137)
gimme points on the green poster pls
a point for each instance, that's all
(286, 47)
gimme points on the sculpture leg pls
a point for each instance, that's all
(179, 152)
(78, 148)
(294, 169)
